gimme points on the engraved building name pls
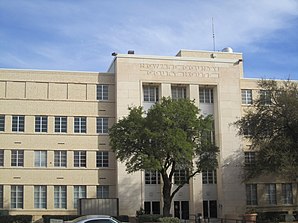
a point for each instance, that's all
(179, 70)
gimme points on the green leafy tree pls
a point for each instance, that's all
(171, 136)
(271, 125)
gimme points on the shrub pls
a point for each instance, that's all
(169, 220)
(149, 218)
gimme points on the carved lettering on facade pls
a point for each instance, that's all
(179, 70)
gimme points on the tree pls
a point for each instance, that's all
(171, 136)
(271, 125)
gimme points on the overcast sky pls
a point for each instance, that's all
(81, 34)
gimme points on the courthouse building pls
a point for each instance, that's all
(54, 141)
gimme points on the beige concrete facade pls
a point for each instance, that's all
(29, 93)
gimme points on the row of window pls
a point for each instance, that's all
(151, 93)
(270, 194)
(180, 176)
(60, 124)
(60, 158)
(247, 97)
(41, 196)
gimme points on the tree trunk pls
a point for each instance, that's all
(167, 186)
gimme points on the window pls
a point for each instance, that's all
(178, 92)
(247, 130)
(102, 191)
(40, 197)
(1, 157)
(80, 124)
(249, 158)
(251, 194)
(60, 158)
(80, 158)
(16, 196)
(41, 123)
(152, 177)
(152, 207)
(40, 158)
(79, 192)
(18, 123)
(287, 193)
(265, 97)
(209, 177)
(206, 95)
(102, 92)
(102, 125)
(271, 193)
(151, 93)
(246, 96)
(17, 158)
(180, 176)
(1, 196)
(2, 123)
(60, 124)
(60, 197)
(102, 159)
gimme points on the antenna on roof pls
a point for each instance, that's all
(213, 35)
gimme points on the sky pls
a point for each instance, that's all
(80, 35)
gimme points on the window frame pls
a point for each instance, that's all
(40, 197)
(16, 196)
(102, 159)
(17, 158)
(80, 159)
(209, 177)
(246, 97)
(102, 92)
(152, 177)
(2, 157)
(18, 123)
(79, 191)
(287, 193)
(41, 123)
(150, 93)
(40, 158)
(251, 194)
(178, 92)
(102, 125)
(60, 196)
(102, 191)
(2, 123)
(271, 195)
(206, 95)
(60, 158)
(60, 124)
(80, 124)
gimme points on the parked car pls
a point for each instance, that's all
(94, 219)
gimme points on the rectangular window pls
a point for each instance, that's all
(151, 93)
(80, 158)
(18, 123)
(180, 176)
(17, 158)
(61, 124)
(271, 193)
(40, 158)
(102, 159)
(41, 123)
(246, 96)
(249, 158)
(60, 197)
(1, 196)
(40, 197)
(251, 194)
(1, 157)
(152, 177)
(79, 192)
(102, 191)
(265, 97)
(60, 158)
(152, 207)
(287, 193)
(102, 92)
(206, 95)
(102, 125)
(178, 92)
(2, 123)
(80, 124)
(16, 196)
(209, 177)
